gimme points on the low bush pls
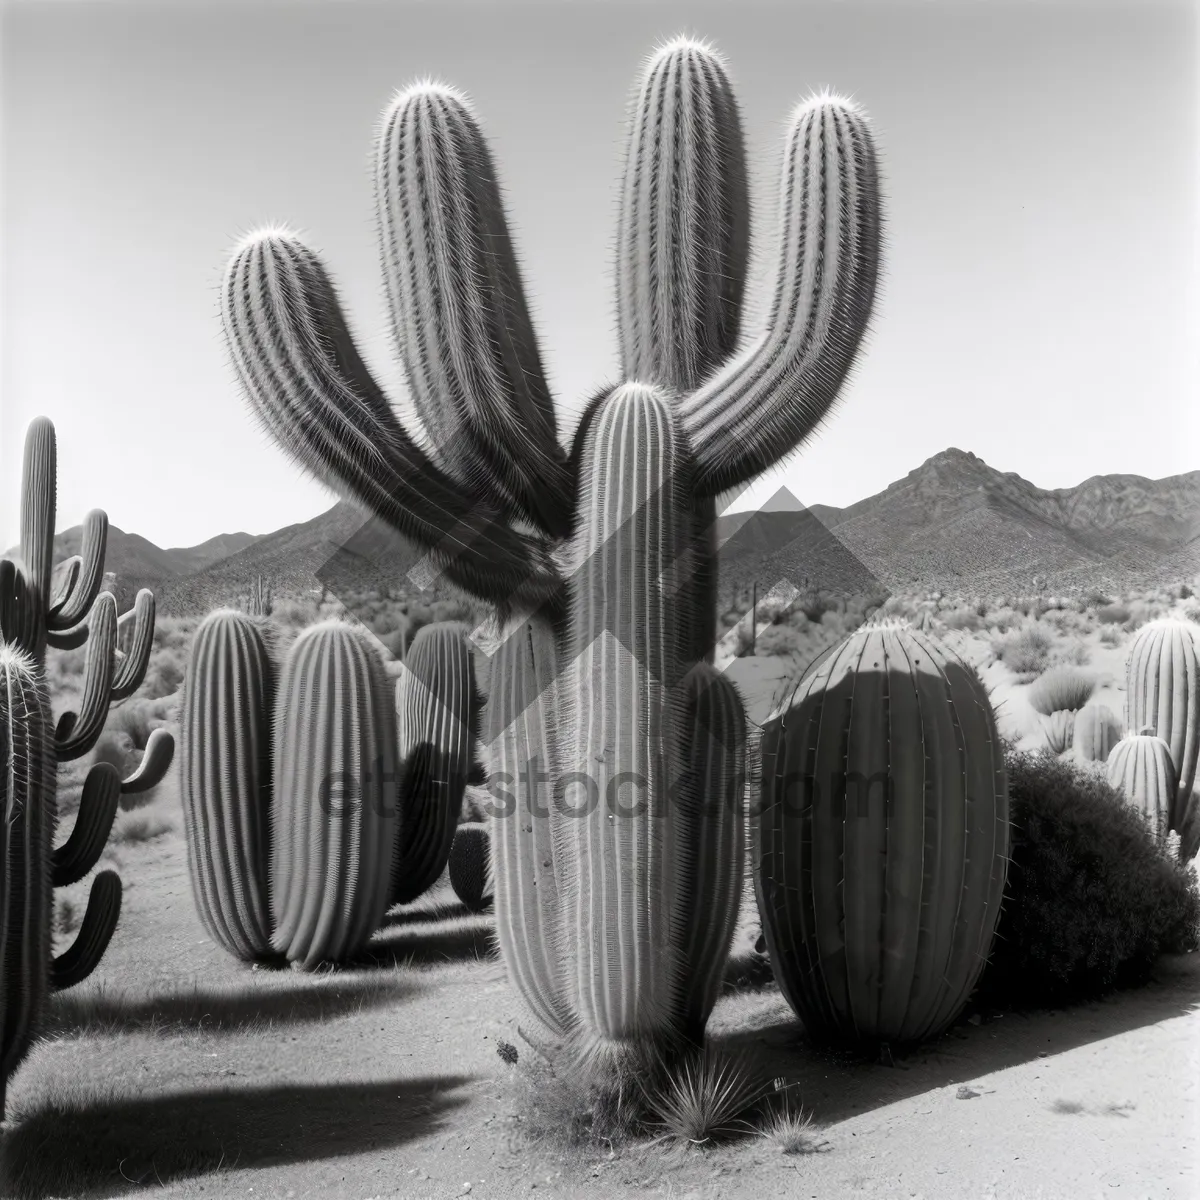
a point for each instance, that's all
(1062, 688)
(1027, 652)
(1091, 899)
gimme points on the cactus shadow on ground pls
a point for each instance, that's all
(761, 1030)
(467, 937)
(124, 1145)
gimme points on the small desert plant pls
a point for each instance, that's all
(962, 618)
(786, 1124)
(703, 1098)
(1061, 689)
(1025, 652)
(1112, 614)
(1111, 635)
(140, 826)
(1091, 899)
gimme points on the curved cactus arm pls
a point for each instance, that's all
(63, 581)
(304, 378)
(683, 236)
(77, 732)
(38, 483)
(132, 669)
(767, 400)
(458, 311)
(71, 861)
(436, 708)
(80, 597)
(82, 957)
(156, 761)
(69, 639)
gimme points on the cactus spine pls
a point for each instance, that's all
(882, 841)
(1142, 769)
(225, 780)
(1161, 680)
(599, 556)
(1097, 731)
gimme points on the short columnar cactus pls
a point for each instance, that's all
(334, 808)
(882, 842)
(471, 865)
(437, 718)
(602, 556)
(1060, 730)
(1097, 731)
(225, 780)
(1161, 681)
(1142, 769)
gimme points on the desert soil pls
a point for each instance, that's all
(178, 1070)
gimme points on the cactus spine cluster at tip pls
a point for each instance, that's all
(1097, 731)
(470, 865)
(437, 710)
(882, 841)
(503, 515)
(334, 808)
(225, 780)
(1161, 681)
(46, 606)
(1142, 769)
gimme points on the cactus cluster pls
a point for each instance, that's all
(61, 607)
(599, 562)
(307, 812)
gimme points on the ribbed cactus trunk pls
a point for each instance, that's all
(882, 841)
(1096, 732)
(1162, 678)
(600, 564)
(225, 780)
(334, 809)
(470, 865)
(1142, 769)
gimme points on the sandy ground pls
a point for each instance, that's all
(199, 1077)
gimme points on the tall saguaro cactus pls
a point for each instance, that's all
(600, 561)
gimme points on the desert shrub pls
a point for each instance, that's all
(141, 826)
(1192, 612)
(1026, 652)
(1112, 614)
(1094, 598)
(962, 618)
(1091, 899)
(704, 1098)
(1071, 653)
(1184, 592)
(294, 612)
(781, 640)
(163, 676)
(1061, 688)
(1111, 635)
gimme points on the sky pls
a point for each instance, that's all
(1039, 299)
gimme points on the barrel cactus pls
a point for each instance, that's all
(598, 562)
(1142, 769)
(881, 843)
(471, 865)
(1161, 680)
(1097, 731)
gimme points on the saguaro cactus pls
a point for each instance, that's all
(1097, 731)
(1161, 681)
(882, 841)
(1142, 769)
(603, 556)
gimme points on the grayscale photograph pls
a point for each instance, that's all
(599, 599)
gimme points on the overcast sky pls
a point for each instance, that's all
(1039, 302)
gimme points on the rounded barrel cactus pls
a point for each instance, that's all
(881, 842)
(471, 865)
(1142, 769)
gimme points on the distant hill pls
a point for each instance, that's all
(954, 523)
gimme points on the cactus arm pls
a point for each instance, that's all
(435, 702)
(683, 229)
(156, 761)
(309, 387)
(132, 670)
(77, 732)
(524, 723)
(458, 312)
(69, 639)
(71, 861)
(39, 481)
(768, 399)
(80, 597)
(713, 819)
(100, 919)
(63, 581)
